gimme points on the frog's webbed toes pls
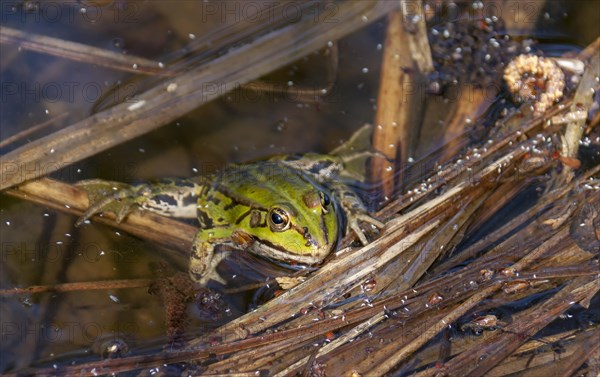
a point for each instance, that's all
(371, 220)
(358, 232)
(106, 196)
(201, 257)
(353, 224)
(123, 211)
(92, 210)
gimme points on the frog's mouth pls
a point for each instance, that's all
(272, 251)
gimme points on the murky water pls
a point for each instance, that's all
(41, 246)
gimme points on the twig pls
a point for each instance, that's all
(430, 332)
(530, 323)
(25, 133)
(466, 109)
(589, 347)
(399, 101)
(80, 52)
(304, 94)
(583, 101)
(80, 286)
(406, 350)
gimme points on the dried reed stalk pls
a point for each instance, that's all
(400, 100)
(80, 52)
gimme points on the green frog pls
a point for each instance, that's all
(289, 208)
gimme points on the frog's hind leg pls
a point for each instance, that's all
(173, 197)
(355, 152)
(167, 197)
(105, 196)
(354, 209)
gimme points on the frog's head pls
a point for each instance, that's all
(304, 230)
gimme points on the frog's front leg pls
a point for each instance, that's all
(168, 197)
(204, 246)
(354, 209)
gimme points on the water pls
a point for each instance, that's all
(40, 246)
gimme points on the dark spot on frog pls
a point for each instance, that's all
(242, 217)
(310, 242)
(189, 200)
(231, 204)
(318, 167)
(256, 219)
(165, 199)
(213, 199)
(205, 221)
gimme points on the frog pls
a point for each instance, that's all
(288, 208)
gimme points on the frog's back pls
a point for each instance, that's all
(264, 183)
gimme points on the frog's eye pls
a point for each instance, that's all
(279, 220)
(325, 201)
